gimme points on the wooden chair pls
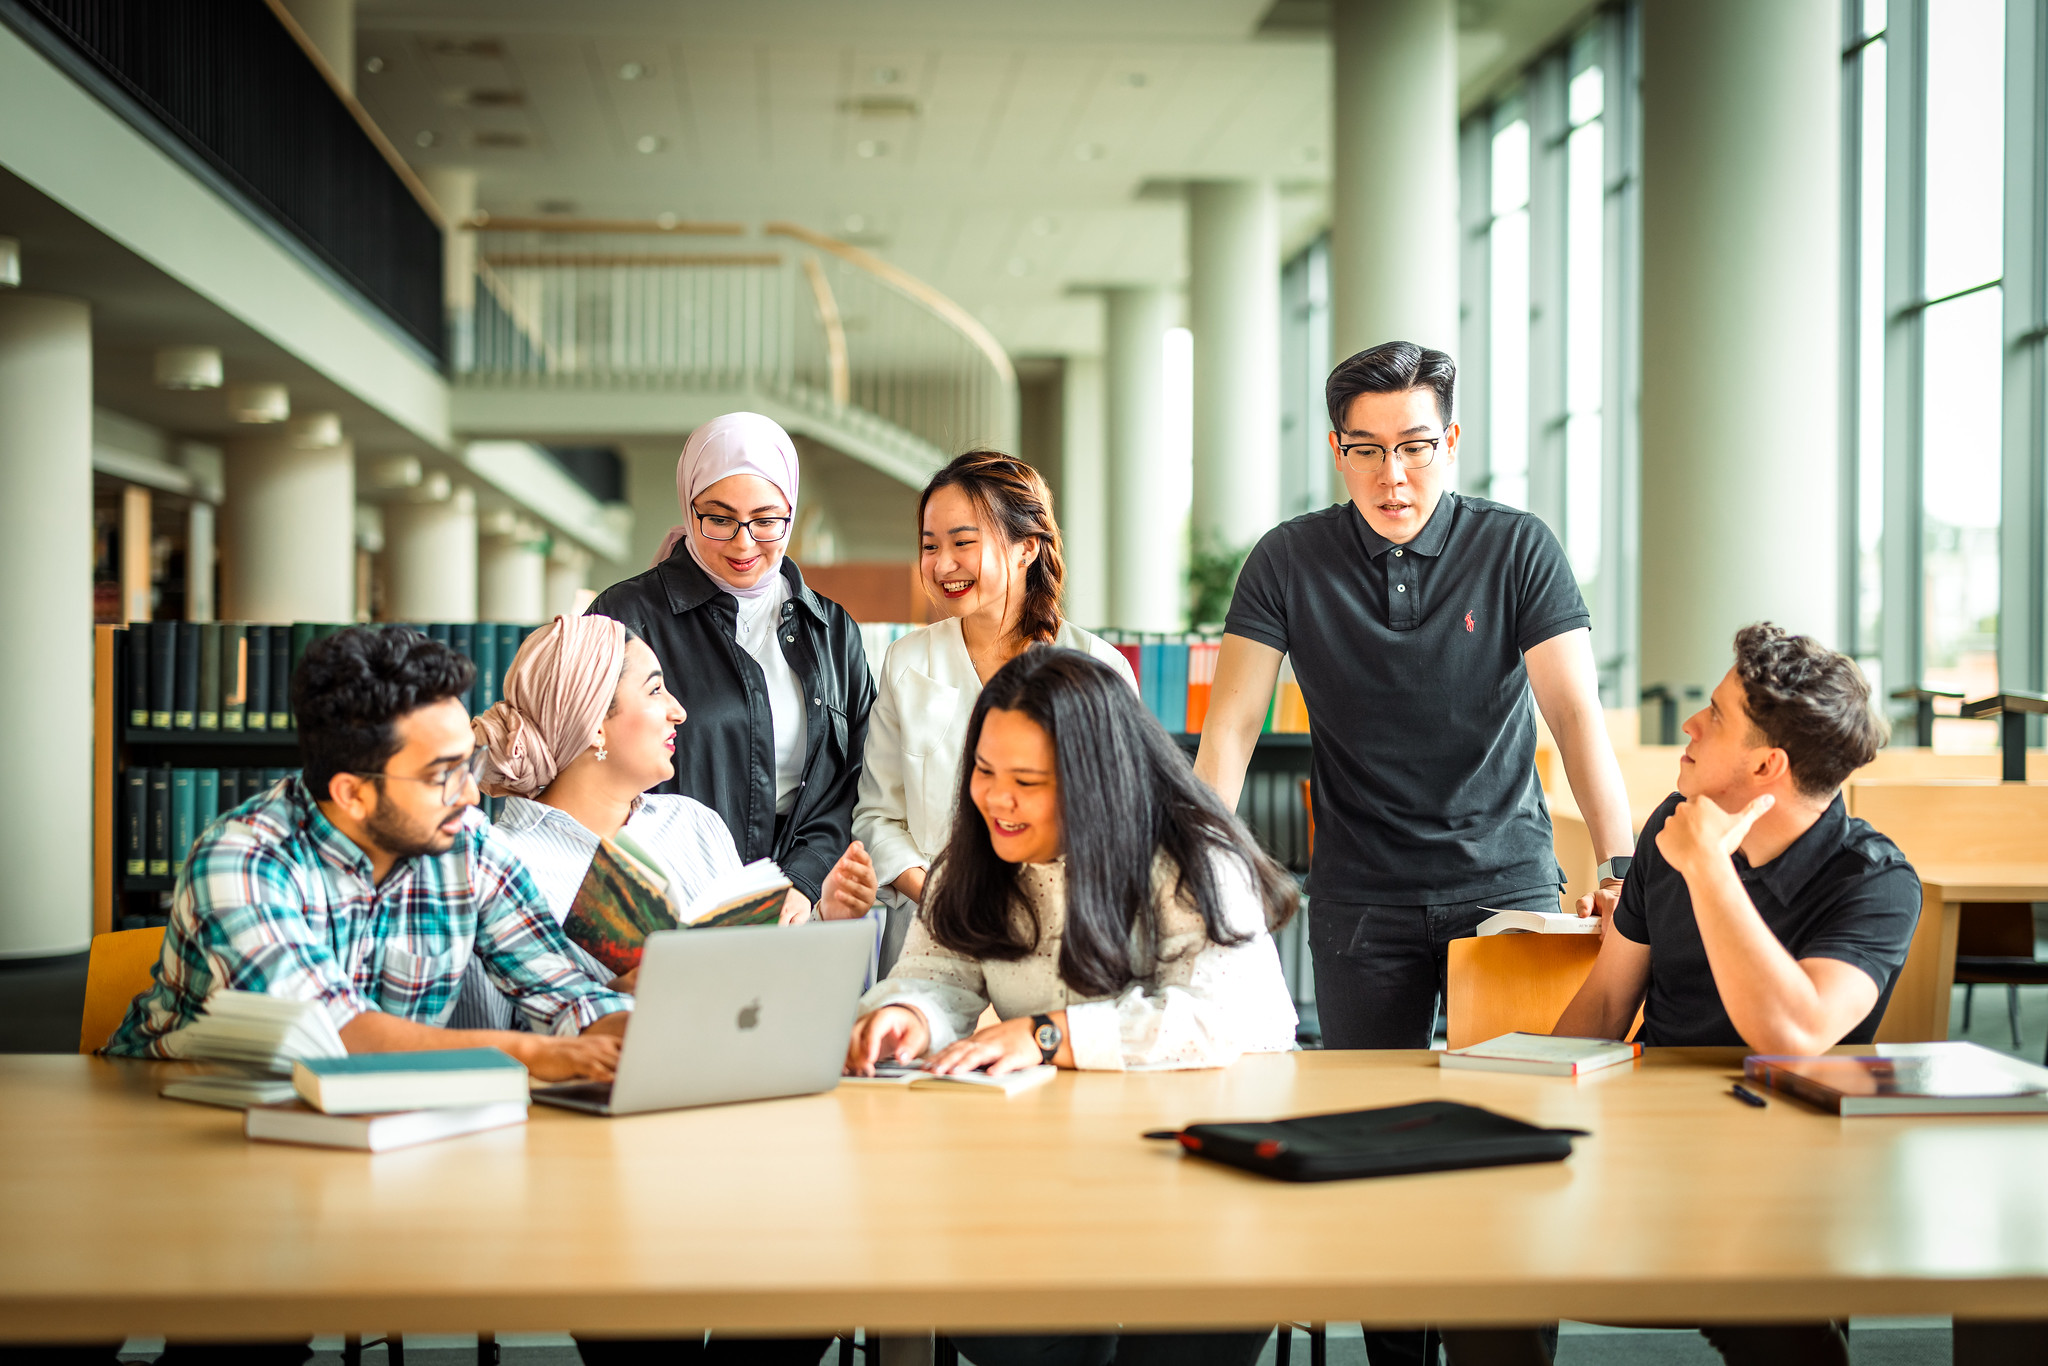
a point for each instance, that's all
(115, 974)
(1507, 982)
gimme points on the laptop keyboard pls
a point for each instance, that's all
(595, 1092)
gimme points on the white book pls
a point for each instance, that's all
(268, 1033)
(1007, 1084)
(229, 1092)
(1546, 1055)
(300, 1123)
(1537, 922)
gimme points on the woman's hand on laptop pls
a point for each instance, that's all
(896, 1033)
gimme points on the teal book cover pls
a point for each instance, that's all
(431, 1060)
(182, 811)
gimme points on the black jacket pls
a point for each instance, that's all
(725, 751)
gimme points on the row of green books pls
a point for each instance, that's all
(167, 808)
(235, 676)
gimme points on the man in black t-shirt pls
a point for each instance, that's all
(1758, 912)
(1420, 623)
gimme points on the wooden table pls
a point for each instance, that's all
(128, 1214)
(1919, 1007)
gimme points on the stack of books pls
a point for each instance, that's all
(378, 1101)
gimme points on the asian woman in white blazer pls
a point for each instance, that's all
(989, 560)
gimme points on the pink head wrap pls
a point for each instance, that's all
(557, 693)
(738, 443)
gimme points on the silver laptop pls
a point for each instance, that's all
(733, 1014)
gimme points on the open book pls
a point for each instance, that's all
(626, 896)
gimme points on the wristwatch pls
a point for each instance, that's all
(1616, 868)
(1047, 1036)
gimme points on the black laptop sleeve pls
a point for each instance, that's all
(1436, 1135)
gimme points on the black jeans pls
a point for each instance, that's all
(1103, 1349)
(1380, 969)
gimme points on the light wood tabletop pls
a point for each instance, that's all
(1919, 1006)
(129, 1214)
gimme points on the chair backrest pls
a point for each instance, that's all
(1958, 821)
(1507, 982)
(115, 975)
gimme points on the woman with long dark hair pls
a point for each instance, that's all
(1105, 902)
(989, 560)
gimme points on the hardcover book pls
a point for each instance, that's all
(280, 677)
(301, 1123)
(135, 824)
(163, 672)
(182, 813)
(234, 675)
(185, 691)
(159, 822)
(209, 676)
(137, 637)
(1951, 1078)
(436, 1079)
(257, 709)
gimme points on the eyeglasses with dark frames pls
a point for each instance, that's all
(1368, 458)
(721, 528)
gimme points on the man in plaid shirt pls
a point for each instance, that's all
(369, 881)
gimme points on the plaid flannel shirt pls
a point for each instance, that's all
(275, 899)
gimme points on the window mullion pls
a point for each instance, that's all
(1905, 331)
(2023, 530)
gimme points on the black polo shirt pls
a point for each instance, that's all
(1410, 660)
(1841, 890)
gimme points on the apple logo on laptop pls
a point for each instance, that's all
(750, 1014)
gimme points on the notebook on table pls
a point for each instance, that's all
(1908, 1079)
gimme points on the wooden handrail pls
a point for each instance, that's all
(623, 227)
(600, 260)
(397, 163)
(909, 284)
(841, 375)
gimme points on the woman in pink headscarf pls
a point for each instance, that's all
(773, 675)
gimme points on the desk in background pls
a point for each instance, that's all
(897, 1210)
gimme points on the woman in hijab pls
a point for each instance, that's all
(773, 676)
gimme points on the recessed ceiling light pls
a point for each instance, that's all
(374, 65)
(423, 138)
(868, 147)
(1090, 151)
(887, 75)
(632, 71)
(648, 144)
(1044, 226)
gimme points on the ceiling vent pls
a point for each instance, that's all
(485, 99)
(500, 138)
(880, 107)
(482, 49)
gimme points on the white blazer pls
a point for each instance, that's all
(917, 731)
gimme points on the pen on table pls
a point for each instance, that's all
(1746, 1096)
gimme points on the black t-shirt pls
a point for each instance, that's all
(1841, 890)
(1410, 660)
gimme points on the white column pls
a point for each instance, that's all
(46, 682)
(1394, 187)
(1084, 492)
(288, 531)
(1741, 257)
(199, 556)
(1234, 312)
(511, 572)
(568, 578)
(430, 558)
(454, 190)
(331, 25)
(1147, 542)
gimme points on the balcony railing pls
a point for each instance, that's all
(807, 320)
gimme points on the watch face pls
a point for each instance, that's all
(1048, 1037)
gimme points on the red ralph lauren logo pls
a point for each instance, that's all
(1468, 621)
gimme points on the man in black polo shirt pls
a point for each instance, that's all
(1419, 623)
(1758, 912)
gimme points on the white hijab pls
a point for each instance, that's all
(737, 443)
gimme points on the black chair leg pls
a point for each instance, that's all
(944, 1353)
(1969, 996)
(487, 1349)
(1430, 1341)
(1283, 1344)
(1318, 1345)
(846, 1347)
(351, 1350)
(2012, 1013)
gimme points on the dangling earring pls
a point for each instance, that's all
(602, 753)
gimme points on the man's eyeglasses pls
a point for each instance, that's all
(453, 780)
(717, 528)
(1367, 458)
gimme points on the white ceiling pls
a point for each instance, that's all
(1006, 153)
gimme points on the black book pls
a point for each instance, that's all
(137, 638)
(234, 675)
(185, 693)
(209, 676)
(257, 708)
(230, 782)
(163, 672)
(135, 824)
(159, 846)
(280, 678)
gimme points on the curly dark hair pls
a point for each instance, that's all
(1809, 701)
(1016, 501)
(1392, 368)
(1126, 794)
(352, 687)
